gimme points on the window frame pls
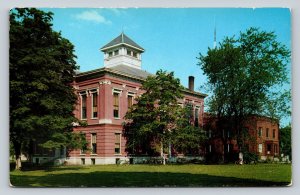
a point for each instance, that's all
(93, 93)
(130, 95)
(260, 132)
(94, 144)
(119, 143)
(83, 94)
(260, 148)
(118, 93)
(116, 52)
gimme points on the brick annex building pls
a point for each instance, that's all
(104, 96)
(262, 139)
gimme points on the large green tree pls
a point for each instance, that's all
(151, 121)
(155, 122)
(245, 77)
(189, 138)
(41, 68)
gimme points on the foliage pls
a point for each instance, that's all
(249, 157)
(246, 75)
(41, 67)
(286, 140)
(152, 120)
(188, 138)
(70, 140)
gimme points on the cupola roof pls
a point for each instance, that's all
(122, 39)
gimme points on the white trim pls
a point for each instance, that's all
(105, 82)
(130, 93)
(110, 47)
(105, 121)
(116, 90)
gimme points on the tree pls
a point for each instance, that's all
(246, 75)
(152, 120)
(41, 67)
(188, 138)
(286, 140)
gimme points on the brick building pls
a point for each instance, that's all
(262, 138)
(104, 96)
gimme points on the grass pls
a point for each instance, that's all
(155, 176)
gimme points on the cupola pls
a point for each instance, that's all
(122, 51)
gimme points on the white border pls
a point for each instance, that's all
(5, 5)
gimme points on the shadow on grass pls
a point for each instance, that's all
(32, 167)
(136, 179)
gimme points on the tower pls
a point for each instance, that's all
(122, 51)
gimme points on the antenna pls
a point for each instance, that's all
(215, 35)
(122, 34)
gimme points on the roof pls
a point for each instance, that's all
(142, 74)
(122, 39)
(133, 73)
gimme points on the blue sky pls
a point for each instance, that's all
(172, 38)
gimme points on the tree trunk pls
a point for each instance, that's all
(162, 153)
(17, 147)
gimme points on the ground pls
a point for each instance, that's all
(155, 176)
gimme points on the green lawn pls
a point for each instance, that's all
(155, 176)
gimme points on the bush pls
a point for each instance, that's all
(249, 157)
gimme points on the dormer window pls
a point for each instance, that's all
(116, 52)
(128, 52)
(110, 54)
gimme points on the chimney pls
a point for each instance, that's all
(191, 83)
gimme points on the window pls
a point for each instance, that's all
(128, 52)
(196, 116)
(93, 162)
(275, 148)
(129, 101)
(116, 52)
(94, 143)
(116, 104)
(209, 148)
(95, 105)
(260, 148)
(117, 143)
(110, 54)
(83, 161)
(268, 148)
(259, 131)
(134, 54)
(274, 132)
(267, 132)
(83, 106)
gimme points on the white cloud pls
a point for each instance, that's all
(92, 16)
